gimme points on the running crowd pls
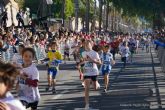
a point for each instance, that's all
(21, 50)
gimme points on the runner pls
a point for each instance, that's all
(8, 74)
(90, 59)
(81, 50)
(66, 50)
(107, 62)
(147, 44)
(28, 91)
(137, 44)
(124, 52)
(54, 57)
(132, 48)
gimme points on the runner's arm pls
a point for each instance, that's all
(30, 82)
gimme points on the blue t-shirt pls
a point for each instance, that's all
(106, 58)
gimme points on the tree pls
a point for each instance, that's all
(69, 8)
(91, 10)
(100, 13)
(150, 9)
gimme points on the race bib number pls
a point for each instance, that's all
(54, 64)
(105, 65)
(88, 67)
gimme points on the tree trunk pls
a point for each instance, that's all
(87, 15)
(94, 20)
(76, 14)
(112, 21)
(107, 16)
(100, 14)
(63, 13)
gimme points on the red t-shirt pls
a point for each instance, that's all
(103, 43)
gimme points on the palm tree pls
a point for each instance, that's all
(100, 14)
(107, 14)
(87, 15)
(76, 13)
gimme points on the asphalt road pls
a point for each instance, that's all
(141, 86)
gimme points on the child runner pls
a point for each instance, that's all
(54, 57)
(132, 48)
(81, 50)
(28, 91)
(66, 50)
(124, 52)
(8, 74)
(107, 62)
(90, 59)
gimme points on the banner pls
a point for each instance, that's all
(157, 42)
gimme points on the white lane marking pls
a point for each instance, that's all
(59, 95)
(48, 108)
(85, 109)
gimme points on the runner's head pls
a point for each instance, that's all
(125, 44)
(28, 54)
(83, 42)
(8, 74)
(106, 48)
(88, 45)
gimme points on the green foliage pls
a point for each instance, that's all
(69, 8)
(146, 8)
(82, 9)
(33, 5)
(21, 3)
(57, 8)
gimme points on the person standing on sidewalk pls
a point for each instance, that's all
(19, 17)
(4, 19)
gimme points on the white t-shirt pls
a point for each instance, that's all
(124, 51)
(17, 58)
(90, 69)
(13, 103)
(26, 92)
(137, 43)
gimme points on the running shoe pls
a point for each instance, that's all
(53, 90)
(105, 90)
(97, 85)
(83, 84)
(47, 88)
(87, 107)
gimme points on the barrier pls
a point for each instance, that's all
(161, 53)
